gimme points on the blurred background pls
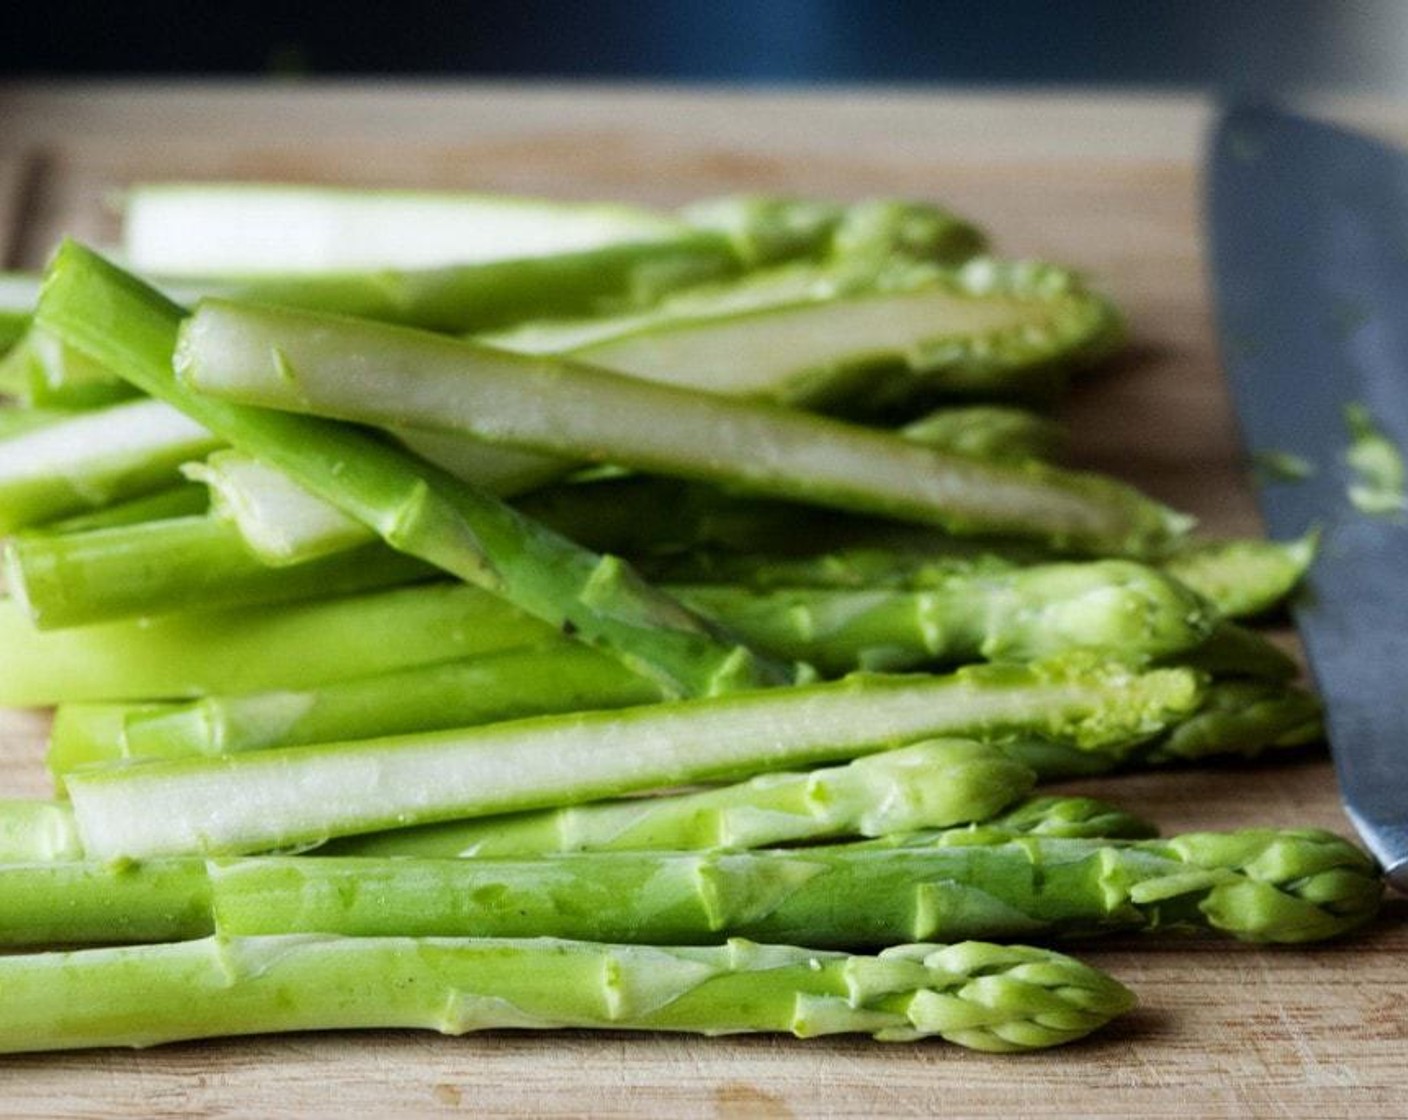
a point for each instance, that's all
(1359, 45)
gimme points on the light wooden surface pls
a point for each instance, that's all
(1108, 184)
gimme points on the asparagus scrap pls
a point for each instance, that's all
(276, 798)
(984, 997)
(418, 511)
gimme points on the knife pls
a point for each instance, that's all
(1309, 228)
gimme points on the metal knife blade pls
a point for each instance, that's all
(1309, 230)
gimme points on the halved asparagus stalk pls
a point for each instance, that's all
(93, 458)
(364, 371)
(1240, 718)
(933, 784)
(205, 229)
(283, 523)
(1236, 651)
(993, 998)
(294, 645)
(1257, 885)
(848, 340)
(276, 798)
(132, 329)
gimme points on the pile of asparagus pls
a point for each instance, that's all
(468, 612)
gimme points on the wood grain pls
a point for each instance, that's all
(1107, 184)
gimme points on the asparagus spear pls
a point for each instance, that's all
(365, 371)
(659, 823)
(283, 523)
(986, 997)
(1257, 885)
(1235, 651)
(212, 229)
(560, 676)
(276, 798)
(94, 458)
(933, 784)
(869, 340)
(1263, 885)
(130, 328)
(181, 564)
(295, 645)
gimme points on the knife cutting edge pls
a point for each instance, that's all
(1309, 227)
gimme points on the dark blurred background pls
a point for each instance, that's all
(1240, 44)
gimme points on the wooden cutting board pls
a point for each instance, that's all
(1108, 184)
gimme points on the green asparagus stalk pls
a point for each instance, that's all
(582, 828)
(36, 831)
(77, 901)
(283, 523)
(269, 799)
(184, 499)
(934, 784)
(364, 371)
(1239, 578)
(293, 646)
(182, 564)
(986, 997)
(130, 328)
(214, 229)
(560, 676)
(94, 458)
(1257, 885)
(1263, 885)
(867, 341)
